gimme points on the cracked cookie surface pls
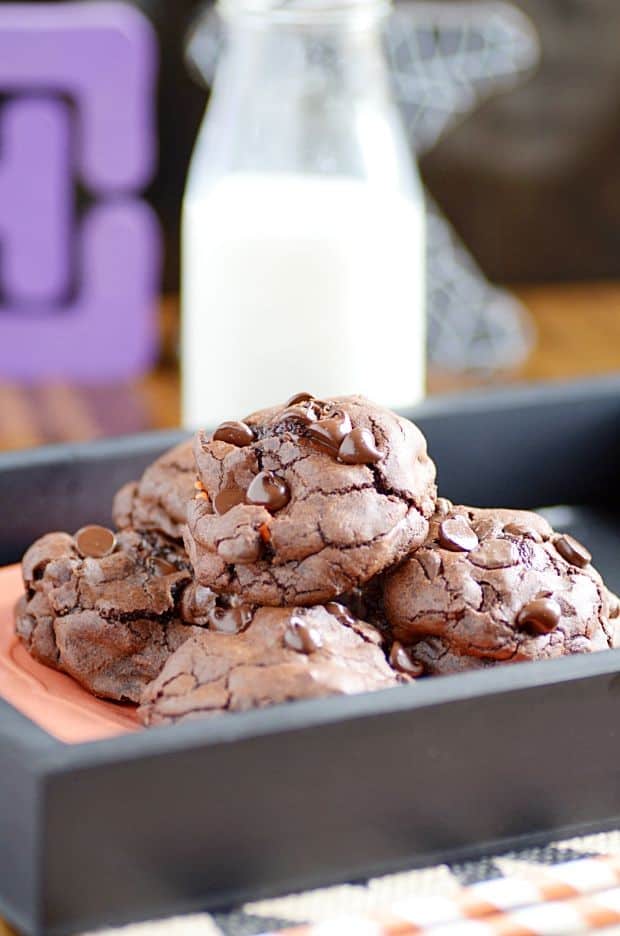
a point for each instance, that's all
(283, 654)
(110, 622)
(305, 502)
(158, 502)
(494, 586)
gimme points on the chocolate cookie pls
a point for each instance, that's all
(159, 500)
(307, 501)
(103, 608)
(282, 654)
(496, 586)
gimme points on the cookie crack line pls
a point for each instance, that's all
(303, 496)
(364, 504)
(344, 507)
(390, 492)
(538, 607)
(380, 482)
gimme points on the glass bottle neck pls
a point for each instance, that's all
(306, 51)
(305, 14)
(312, 98)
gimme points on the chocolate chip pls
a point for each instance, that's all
(197, 605)
(302, 638)
(495, 554)
(235, 433)
(227, 499)
(359, 448)
(572, 550)
(203, 597)
(299, 398)
(95, 542)
(614, 605)
(269, 491)
(457, 535)
(340, 612)
(300, 414)
(331, 432)
(523, 530)
(542, 615)
(163, 567)
(323, 406)
(401, 660)
(231, 620)
(242, 549)
(443, 506)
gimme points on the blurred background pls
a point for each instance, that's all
(514, 118)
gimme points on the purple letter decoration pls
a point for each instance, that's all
(78, 292)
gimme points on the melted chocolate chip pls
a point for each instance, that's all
(269, 491)
(95, 542)
(299, 398)
(163, 567)
(240, 549)
(301, 414)
(302, 638)
(331, 432)
(457, 535)
(518, 528)
(358, 604)
(401, 660)
(197, 605)
(495, 554)
(542, 615)
(572, 550)
(358, 448)
(227, 499)
(340, 612)
(443, 506)
(203, 597)
(230, 620)
(235, 433)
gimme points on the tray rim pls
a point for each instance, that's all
(53, 755)
(48, 774)
(292, 716)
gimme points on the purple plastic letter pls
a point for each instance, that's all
(102, 57)
(35, 200)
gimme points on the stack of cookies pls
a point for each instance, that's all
(300, 553)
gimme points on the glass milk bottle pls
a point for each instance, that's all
(303, 218)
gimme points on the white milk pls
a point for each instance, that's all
(294, 282)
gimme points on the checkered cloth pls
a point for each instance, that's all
(379, 896)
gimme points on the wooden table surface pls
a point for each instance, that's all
(578, 334)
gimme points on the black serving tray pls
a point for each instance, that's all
(206, 815)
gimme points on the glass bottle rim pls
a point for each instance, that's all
(304, 12)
